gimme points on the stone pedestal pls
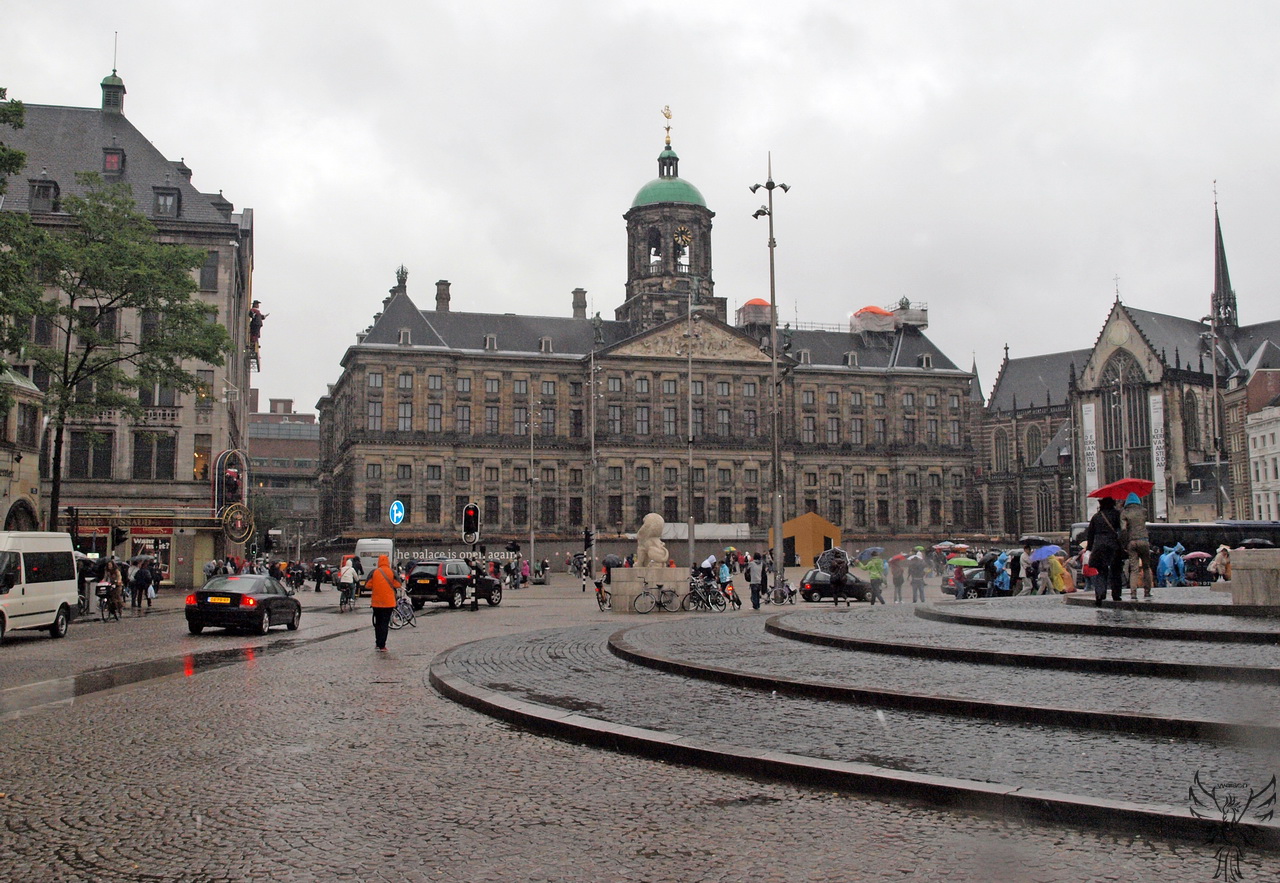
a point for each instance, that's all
(1255, 577)
(627, 582)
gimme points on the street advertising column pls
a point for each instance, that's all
(153, 537)
(1089, 451)
(1159, 502)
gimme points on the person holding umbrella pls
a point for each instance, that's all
(898, 573)
(1103, 537)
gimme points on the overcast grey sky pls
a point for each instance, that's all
(1001, 161)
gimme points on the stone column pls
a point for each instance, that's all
(1255, 577)
(627, 582)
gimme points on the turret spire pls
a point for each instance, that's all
(1224, 298)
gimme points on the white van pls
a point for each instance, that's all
(368, 550)
(38, 588)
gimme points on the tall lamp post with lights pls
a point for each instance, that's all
(766, 211)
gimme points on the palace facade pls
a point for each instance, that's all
(556, 424)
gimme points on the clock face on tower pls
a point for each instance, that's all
(683, 236)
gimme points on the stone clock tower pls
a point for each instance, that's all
(668, 250)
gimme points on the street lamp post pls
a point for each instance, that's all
(689, 339)
(529, 423)
(767, 211)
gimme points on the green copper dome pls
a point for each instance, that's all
(668, 190)
(668, 186)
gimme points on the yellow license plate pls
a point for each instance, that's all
(218, 599)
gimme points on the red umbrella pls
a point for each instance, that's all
(1118, 490)
(899, 557)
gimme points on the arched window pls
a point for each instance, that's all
(1044, 510)
(655, 245)
(1126, 419)
(1035, 445)
(1191, 421)
(1011, 526)
(1000, 446)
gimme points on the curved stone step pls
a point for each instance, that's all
(566, 683)
(1242, 663)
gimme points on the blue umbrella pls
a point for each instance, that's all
(865, 554)
(1044, 552)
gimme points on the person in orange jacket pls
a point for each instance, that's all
(382, 585)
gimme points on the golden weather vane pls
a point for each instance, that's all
(666, 112)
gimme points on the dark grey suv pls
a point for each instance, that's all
(447, 581)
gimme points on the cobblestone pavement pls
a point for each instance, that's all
(913, 630)
(743, 646)
(331, 762)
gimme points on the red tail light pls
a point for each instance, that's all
(442, 580)
(247, 601)
(191, 600)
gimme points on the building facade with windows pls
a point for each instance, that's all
(561, 423)
(151, 479)
(284, 451)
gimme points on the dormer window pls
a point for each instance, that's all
(491, 341)
(803, 357)
(44, 194)
(112, 161)
(544, 345)
(924, 361)
(406, 338)
(851, 360)
(168, 202)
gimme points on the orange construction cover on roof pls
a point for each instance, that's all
(879, 311)
(756, 302)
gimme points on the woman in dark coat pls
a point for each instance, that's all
(1103, 537)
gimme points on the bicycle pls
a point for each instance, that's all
(782, 594)
(347, 600)
(107, 609)
(603, 598)
(403, 613)
(667, 599)
(82, 603)
(704, 595)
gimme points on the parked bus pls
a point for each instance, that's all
(1202, 536)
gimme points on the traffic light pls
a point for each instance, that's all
(470, 523)
(118, 536)
(588, 537)
(268, 541)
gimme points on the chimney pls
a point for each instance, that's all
(442, 296)
(579, 303)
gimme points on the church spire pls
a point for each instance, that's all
(1224, 298)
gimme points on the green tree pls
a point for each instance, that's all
(12, 114)
(122, 314)
(16, 289)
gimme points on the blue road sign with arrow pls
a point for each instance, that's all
(397, 512)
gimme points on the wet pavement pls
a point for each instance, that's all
(332, 762)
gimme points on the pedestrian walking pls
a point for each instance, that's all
(755, 576)
(140, 587)
(1133, 521)
(898, 573)
(382, 584)
(915, 570)
(1103, 537)
(839, 580)
(875, 569)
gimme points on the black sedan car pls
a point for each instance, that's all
(251, 602)
(815, 585)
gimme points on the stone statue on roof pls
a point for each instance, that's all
(598, 325)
